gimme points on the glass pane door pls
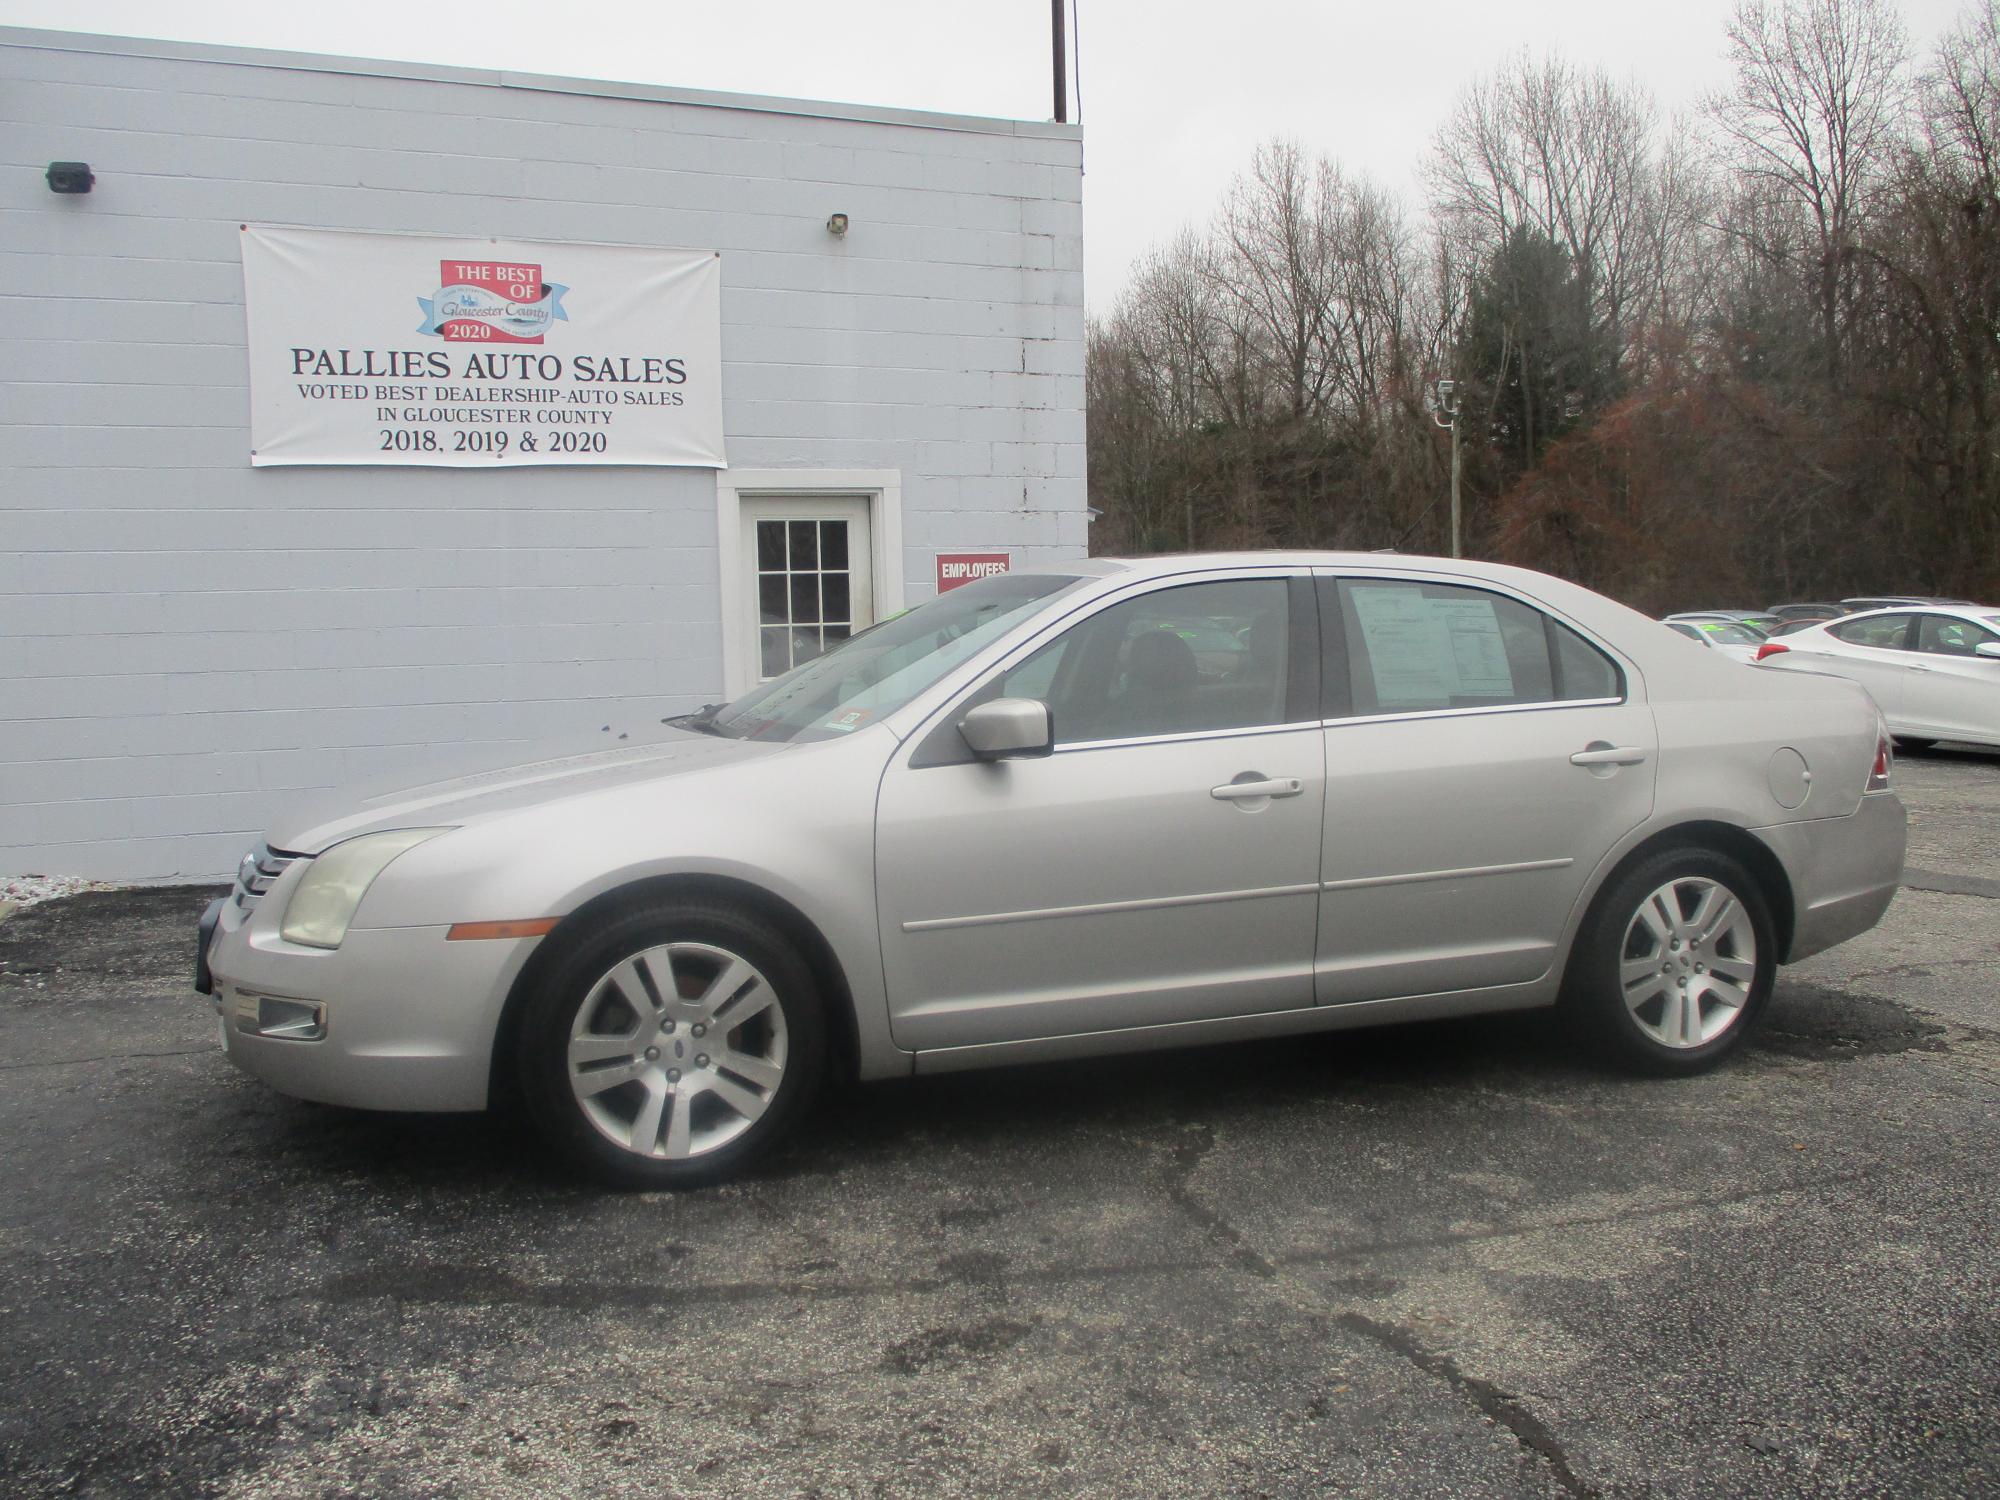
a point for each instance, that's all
(812, 586)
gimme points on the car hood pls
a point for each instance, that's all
(473, 795)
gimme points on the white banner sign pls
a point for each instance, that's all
(412, 349)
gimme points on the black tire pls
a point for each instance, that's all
(1593, 988)
(542, 1057)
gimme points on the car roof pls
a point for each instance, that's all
(1904, 601)
(1980, 613)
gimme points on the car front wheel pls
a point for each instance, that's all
(1675, 964)
(672, 1046)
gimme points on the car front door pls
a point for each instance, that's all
(1951, 690)
(1482, 757)
(1161, 865)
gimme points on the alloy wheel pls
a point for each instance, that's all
(677, 1050)
(1688, 962)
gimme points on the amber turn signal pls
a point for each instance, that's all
(462, 932)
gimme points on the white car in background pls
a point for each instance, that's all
(1934, 671)
(1737, 641)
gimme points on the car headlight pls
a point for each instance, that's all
(325, 900)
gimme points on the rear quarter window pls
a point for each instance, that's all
(1883, 632)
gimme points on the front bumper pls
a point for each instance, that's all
(403, 1019)
(1844, 871)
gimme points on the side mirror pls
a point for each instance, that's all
(1988, 649)
(1007, 728)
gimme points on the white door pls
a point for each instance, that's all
(810, 582)
(1877, 652)
(1952, 690)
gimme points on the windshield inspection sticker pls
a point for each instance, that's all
(848, 722)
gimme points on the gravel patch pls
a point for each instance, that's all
(18, 892)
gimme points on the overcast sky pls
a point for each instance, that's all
(1175, 94)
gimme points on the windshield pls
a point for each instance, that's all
(878, 671)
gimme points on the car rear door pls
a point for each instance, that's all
(1875, 651)
(1482, 757)
(1161, 865)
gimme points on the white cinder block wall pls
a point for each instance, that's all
(186, 643)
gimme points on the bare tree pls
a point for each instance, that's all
(1562, 151)
(1816, 111)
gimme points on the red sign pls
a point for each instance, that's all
(512, 278)
(955, 568)
(491, 302)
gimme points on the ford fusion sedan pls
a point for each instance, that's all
(1091, 808)
(1934, 672)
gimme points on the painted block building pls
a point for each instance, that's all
(187, 641)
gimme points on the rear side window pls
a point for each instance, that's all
(1582, 671)
(1884, 632)
(1412, 647)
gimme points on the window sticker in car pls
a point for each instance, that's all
(1427, 650)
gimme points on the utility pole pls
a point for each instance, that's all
(1446, 415)
(1061, 66)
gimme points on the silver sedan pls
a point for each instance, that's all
(1934, 672)
(1039, 817)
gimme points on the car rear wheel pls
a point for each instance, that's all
(672, 1046)
(1675, 963)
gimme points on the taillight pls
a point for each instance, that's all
(1771, 648)
(1885, 759)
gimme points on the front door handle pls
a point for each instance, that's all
(1609, 755)
(1276, 786)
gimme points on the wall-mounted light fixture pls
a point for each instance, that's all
(837, 224)
(70, 177)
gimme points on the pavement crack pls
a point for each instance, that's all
(1528, 1429)
(1804, 1185)
(1196, 1142)
(77, 1062)
(1949, 883)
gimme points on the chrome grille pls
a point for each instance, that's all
(260, 868)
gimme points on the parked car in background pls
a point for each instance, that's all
(1739, 642)
(1757, 620)
(1807, 612)
(1896, 601)
(1024, 821)
(1935, 673)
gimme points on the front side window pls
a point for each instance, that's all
(1414, 647)
(866, 676)
(1183, 660)
(1946, 635)
(1882, 632)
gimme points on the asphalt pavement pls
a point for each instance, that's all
(1451, 1260)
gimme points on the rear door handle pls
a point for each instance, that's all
(1609, 755)
(1240, 791)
